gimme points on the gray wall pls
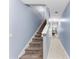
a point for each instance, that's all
(65, 35)
(23, 23)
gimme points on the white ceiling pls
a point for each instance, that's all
(53, 5)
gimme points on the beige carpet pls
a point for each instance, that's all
(56, 50)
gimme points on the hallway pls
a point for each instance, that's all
(56, 50)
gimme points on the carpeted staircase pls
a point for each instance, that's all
(35, 49)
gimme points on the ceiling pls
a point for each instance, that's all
(56, 7)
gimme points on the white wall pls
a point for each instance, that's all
(23, 24)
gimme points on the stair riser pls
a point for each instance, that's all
(36, 45)
(38, 35)
(35, 56)
(37, 40)
(33, 52)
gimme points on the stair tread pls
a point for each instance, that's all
(36, 45)
(36, 42)
(30, 53)
(38, 38)
(33, 56)
(37, 35)
(39, 32)
(31, 49)
(33, 42)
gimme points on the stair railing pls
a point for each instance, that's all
(46, 41)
